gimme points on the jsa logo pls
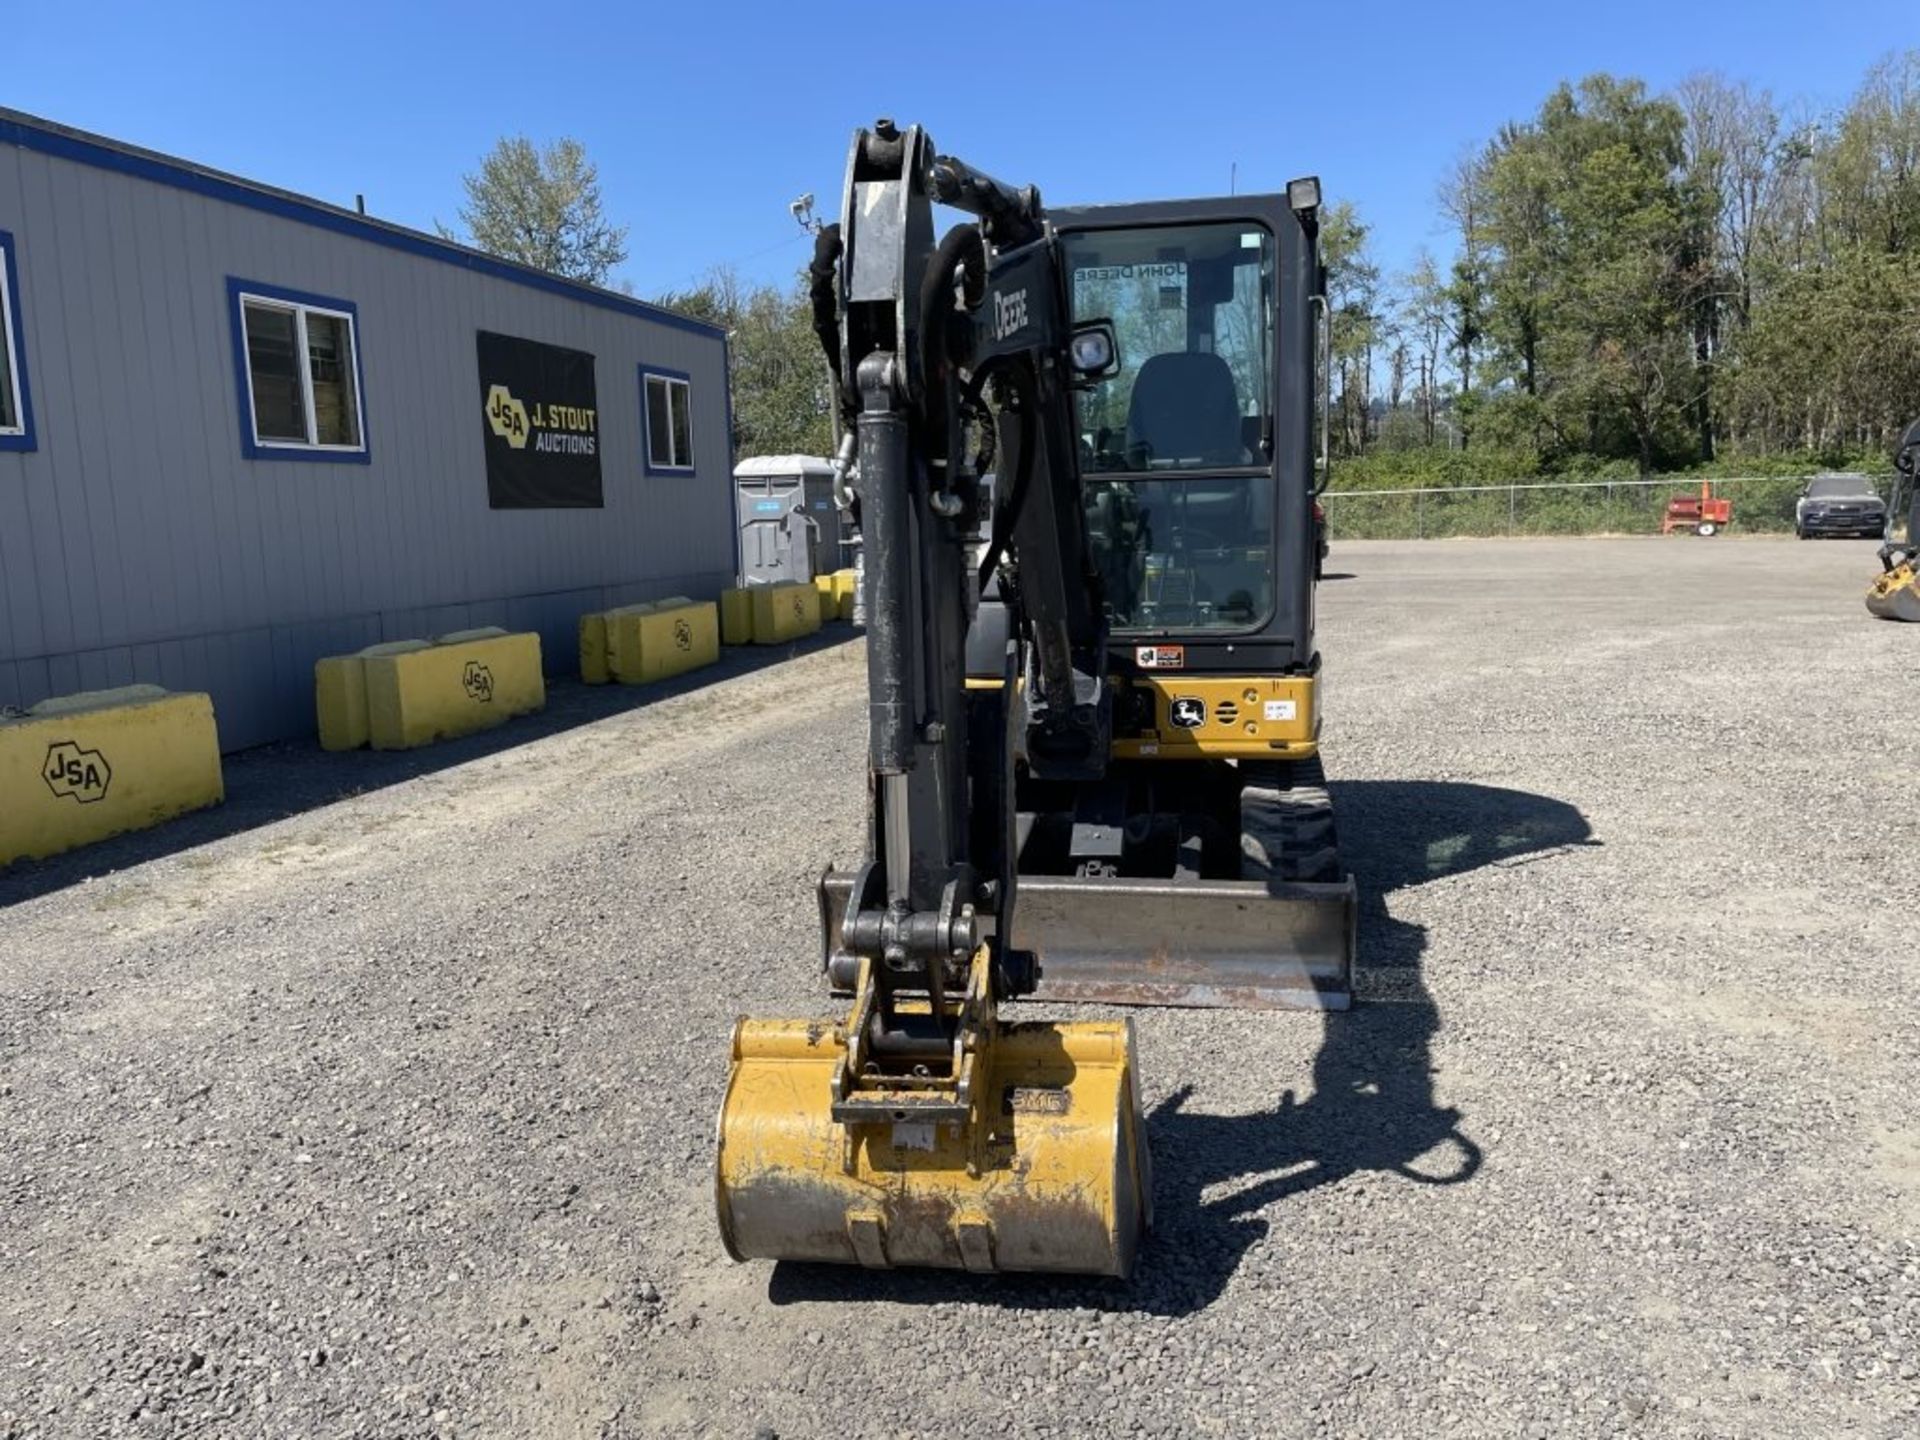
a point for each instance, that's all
(1009, 314)
(507, 417)
(73, 773)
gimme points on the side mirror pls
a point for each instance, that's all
(1093, 350)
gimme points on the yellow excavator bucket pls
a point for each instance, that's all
(1894, 595)
(1050, 1172)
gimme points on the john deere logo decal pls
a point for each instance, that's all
(479, 682)
(1188, 712)
(75, 774)
(683, 634)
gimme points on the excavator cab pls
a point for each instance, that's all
(1201, 868)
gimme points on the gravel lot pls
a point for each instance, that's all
(392, 1116)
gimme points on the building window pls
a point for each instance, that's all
(16, 405)
(299, 363)
(665, 396)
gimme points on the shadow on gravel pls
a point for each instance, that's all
(1371, 1108)
(275, 781)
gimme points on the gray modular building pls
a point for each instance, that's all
(241, 429)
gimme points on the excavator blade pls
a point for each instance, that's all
(1057, 1182)
(1895, 595)
(1219, 944)
(1225, 944)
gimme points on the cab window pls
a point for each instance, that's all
(1182, 541)
(1189, 304)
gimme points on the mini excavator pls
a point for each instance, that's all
(1082, 447)
(1895, 591)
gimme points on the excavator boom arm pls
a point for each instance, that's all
(923, 1130)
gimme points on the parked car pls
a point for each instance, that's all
(1839, 505)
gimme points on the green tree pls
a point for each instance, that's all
(1426, 314)
(1463, 299)
(781, 397)
(1870, 166)
(1660, 280)
(542, 208)
(1592, 244)
(1353, 295)
(1829, 363)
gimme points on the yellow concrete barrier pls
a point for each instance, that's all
(82, 767)
(593, 648)
(670, 638)
(845, 582)
(597, 637)
(595, 660)
(784, 612)
(736, 615)
(340, 693)
(434, 693)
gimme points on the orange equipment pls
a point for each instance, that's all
(1704, 514)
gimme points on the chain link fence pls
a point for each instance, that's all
(1761, 504)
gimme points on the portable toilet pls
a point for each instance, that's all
(790, 529)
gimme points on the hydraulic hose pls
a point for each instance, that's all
(939, 336)
(1007, 516)
(823, 275)
(946, 345)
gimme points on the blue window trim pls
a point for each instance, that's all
(646, 429)
(10, 277)
(250, 447)
(46, 138)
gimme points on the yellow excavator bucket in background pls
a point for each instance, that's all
(1896, 594)
(1049, 1174)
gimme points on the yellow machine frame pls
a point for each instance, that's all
(1267, 717)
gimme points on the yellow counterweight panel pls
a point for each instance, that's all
(1270, 717)
(1059, 1181)
(1246, 718)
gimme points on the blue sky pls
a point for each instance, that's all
(706, 119)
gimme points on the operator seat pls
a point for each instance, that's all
(1185, 407)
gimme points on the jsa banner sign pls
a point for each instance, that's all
(542, 424)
